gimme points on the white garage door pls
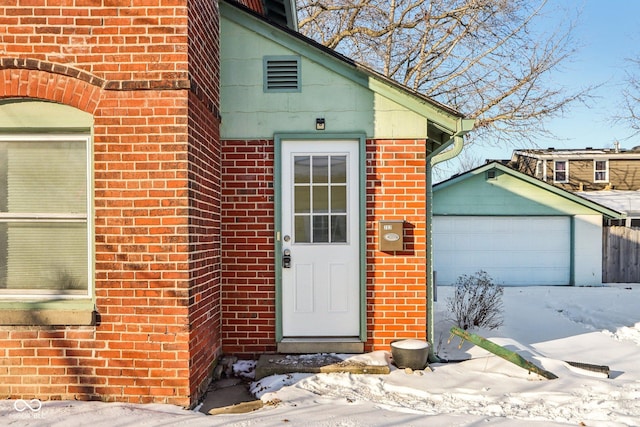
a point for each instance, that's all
(514, 251)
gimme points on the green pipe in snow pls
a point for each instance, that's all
(498, 350)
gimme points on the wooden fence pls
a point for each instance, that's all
(620, 255)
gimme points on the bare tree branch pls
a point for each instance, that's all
(631, 99)
(487, 58)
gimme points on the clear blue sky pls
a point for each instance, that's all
(607, 33)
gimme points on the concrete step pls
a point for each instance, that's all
(231, 395)
(273, 364)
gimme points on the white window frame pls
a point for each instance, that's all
(77, 218)
(555, 171)
(596, 170)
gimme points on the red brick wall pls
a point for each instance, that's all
(204, 194)
(110, 39)
(156, 179)
(248, 298)
(396, 288)
(255, 5)
(142, 243)
(396, 281)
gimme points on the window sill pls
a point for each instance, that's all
(47, 313)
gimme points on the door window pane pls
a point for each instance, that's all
(301, 169)
(338, 169)
(320, 169)
(320, 198)
(302, 199)
(321, 229)
(339, 199)
(302, 229)
(339, 228)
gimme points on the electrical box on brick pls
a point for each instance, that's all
(390, 236)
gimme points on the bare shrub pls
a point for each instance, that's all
(476, 302)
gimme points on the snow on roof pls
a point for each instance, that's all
(578, 152)
(621, 201)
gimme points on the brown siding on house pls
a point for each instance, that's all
(549, 166)
(526, 165)
(581, 174)
(156, 179)
(624, 174)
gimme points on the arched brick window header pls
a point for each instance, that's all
(67, 85)
(51, 82)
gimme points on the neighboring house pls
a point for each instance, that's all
(518, 229)
(589, 169)
(168, 195)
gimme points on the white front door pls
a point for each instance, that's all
(320, 234)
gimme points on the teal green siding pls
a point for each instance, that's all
(348, 100)
(504, 195)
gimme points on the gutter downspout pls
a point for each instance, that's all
(463, 127)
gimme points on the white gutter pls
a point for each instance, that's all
(463, 127)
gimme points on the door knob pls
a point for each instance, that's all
(286, 258)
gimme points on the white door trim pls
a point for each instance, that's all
(360, 213)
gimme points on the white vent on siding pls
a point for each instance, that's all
(282, 74)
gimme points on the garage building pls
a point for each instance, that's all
(520, 230)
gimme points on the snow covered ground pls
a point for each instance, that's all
(546, 325)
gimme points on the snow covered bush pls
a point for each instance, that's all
(476, 302)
